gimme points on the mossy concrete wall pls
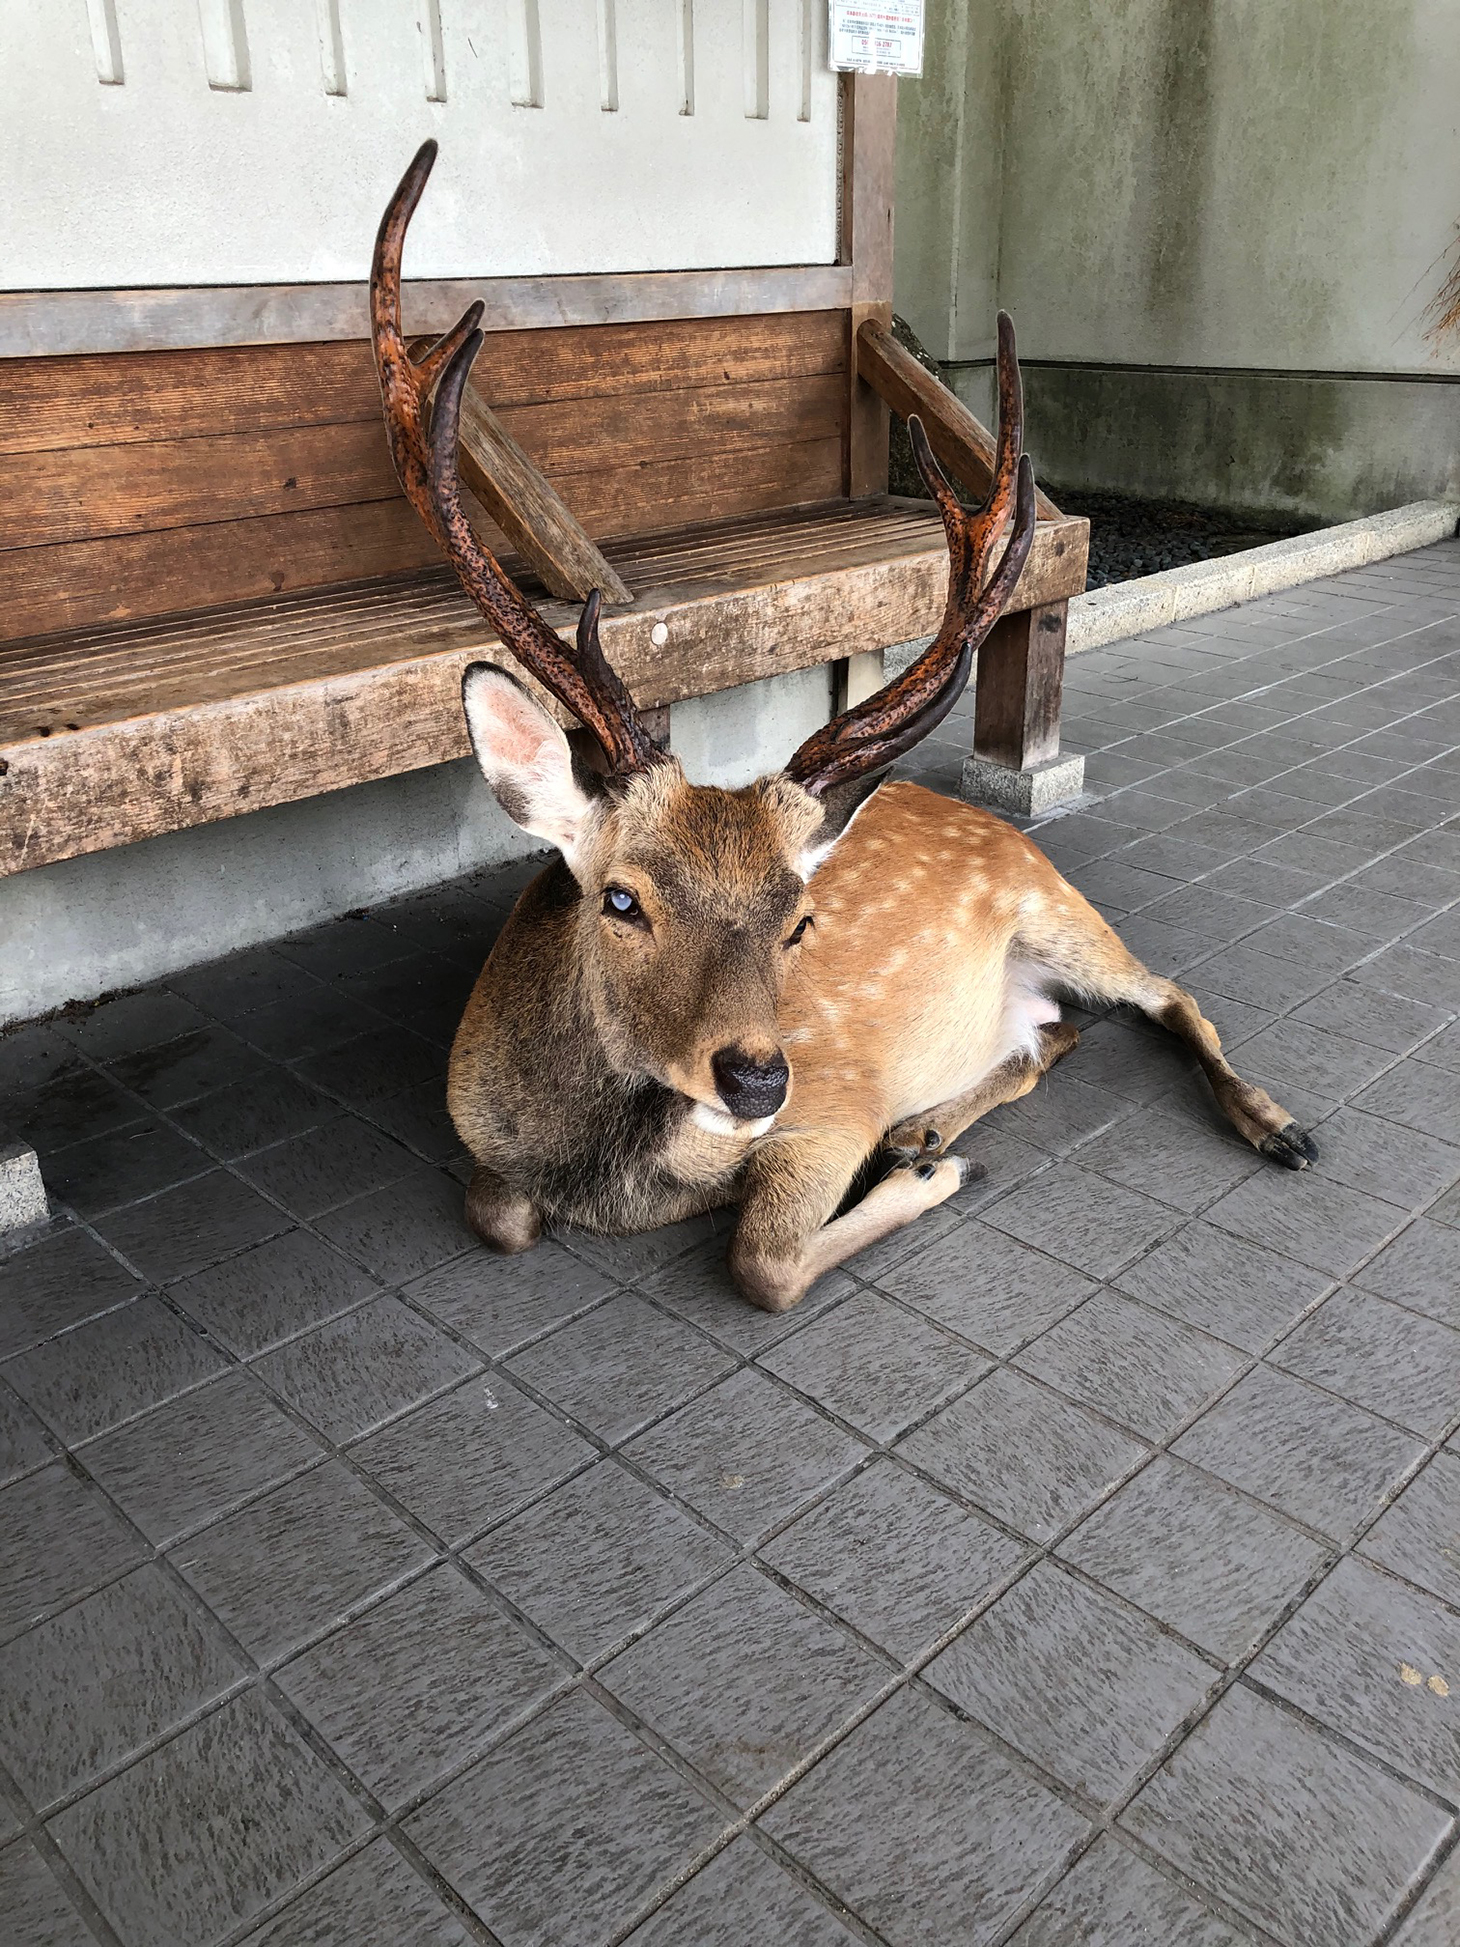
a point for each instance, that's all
(1217, 223)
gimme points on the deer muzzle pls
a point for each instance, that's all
(750, 1086)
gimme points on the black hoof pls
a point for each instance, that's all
(931, 1139)
(968, 1171)
(1291, 1146)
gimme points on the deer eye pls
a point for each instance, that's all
(798, 931)
(621, 904)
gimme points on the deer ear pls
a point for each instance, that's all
(525, 758)
(839, 807)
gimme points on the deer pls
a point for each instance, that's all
(789, 998)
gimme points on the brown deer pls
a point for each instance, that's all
(744, 997)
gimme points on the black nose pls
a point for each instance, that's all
(750, 1088)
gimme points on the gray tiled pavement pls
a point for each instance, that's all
(1082, 1565)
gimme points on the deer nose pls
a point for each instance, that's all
(750, 1086)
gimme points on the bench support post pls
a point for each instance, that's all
(1016, 763)
(854, 679)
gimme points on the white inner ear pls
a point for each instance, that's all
(525, 758)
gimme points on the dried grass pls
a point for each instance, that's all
(1444, 308)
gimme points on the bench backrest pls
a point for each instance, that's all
(138, 484)
(163, 451)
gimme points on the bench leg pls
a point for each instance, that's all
(655, 719)
(854, 679)
(1016, 763)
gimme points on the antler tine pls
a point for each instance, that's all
(430, 361)
(587, 686)
(1010, 435)
(876, 732)
(401, 389)
(426, 465)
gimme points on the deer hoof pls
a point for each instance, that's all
(1291, 1146)
(964, 1170)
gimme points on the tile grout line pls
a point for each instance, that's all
(745, 1360)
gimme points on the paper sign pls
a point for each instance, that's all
(877, 36)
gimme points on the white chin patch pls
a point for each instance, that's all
(716, 1122)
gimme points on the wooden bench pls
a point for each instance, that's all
(214, 598)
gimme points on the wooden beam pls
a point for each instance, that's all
(1021, 667)
(49, 324)
(855, 678)
(869, 166)
(962, 443)
(869, 159)
(536, 521)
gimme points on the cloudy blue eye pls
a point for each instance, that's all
(621, 903)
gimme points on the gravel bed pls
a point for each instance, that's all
(1141, 537)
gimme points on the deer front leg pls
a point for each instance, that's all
(937, 1129)
(788, 1237)
(502, 1217)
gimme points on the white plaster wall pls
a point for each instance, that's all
(168, 142)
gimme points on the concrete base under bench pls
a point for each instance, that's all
(1039, 788)
(106, 920)
(23, 1205)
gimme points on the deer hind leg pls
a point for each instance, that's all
(502, 1217)
(1086, 954)
(788, 1235)
(937, 1129)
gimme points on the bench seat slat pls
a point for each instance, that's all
(204, 717)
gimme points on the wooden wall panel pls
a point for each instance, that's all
(137, 487)
(137, 484)
(532, 367)
(101, 400)
(80, 584)
(705, 486)
(648, 429)
(76, 585)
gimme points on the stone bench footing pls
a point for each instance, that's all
(22, 1194)
(1039, 788)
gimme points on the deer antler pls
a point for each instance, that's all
(875, 733)
(424, 452)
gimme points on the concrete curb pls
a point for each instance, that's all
(23, 1205)
(1131, 608)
